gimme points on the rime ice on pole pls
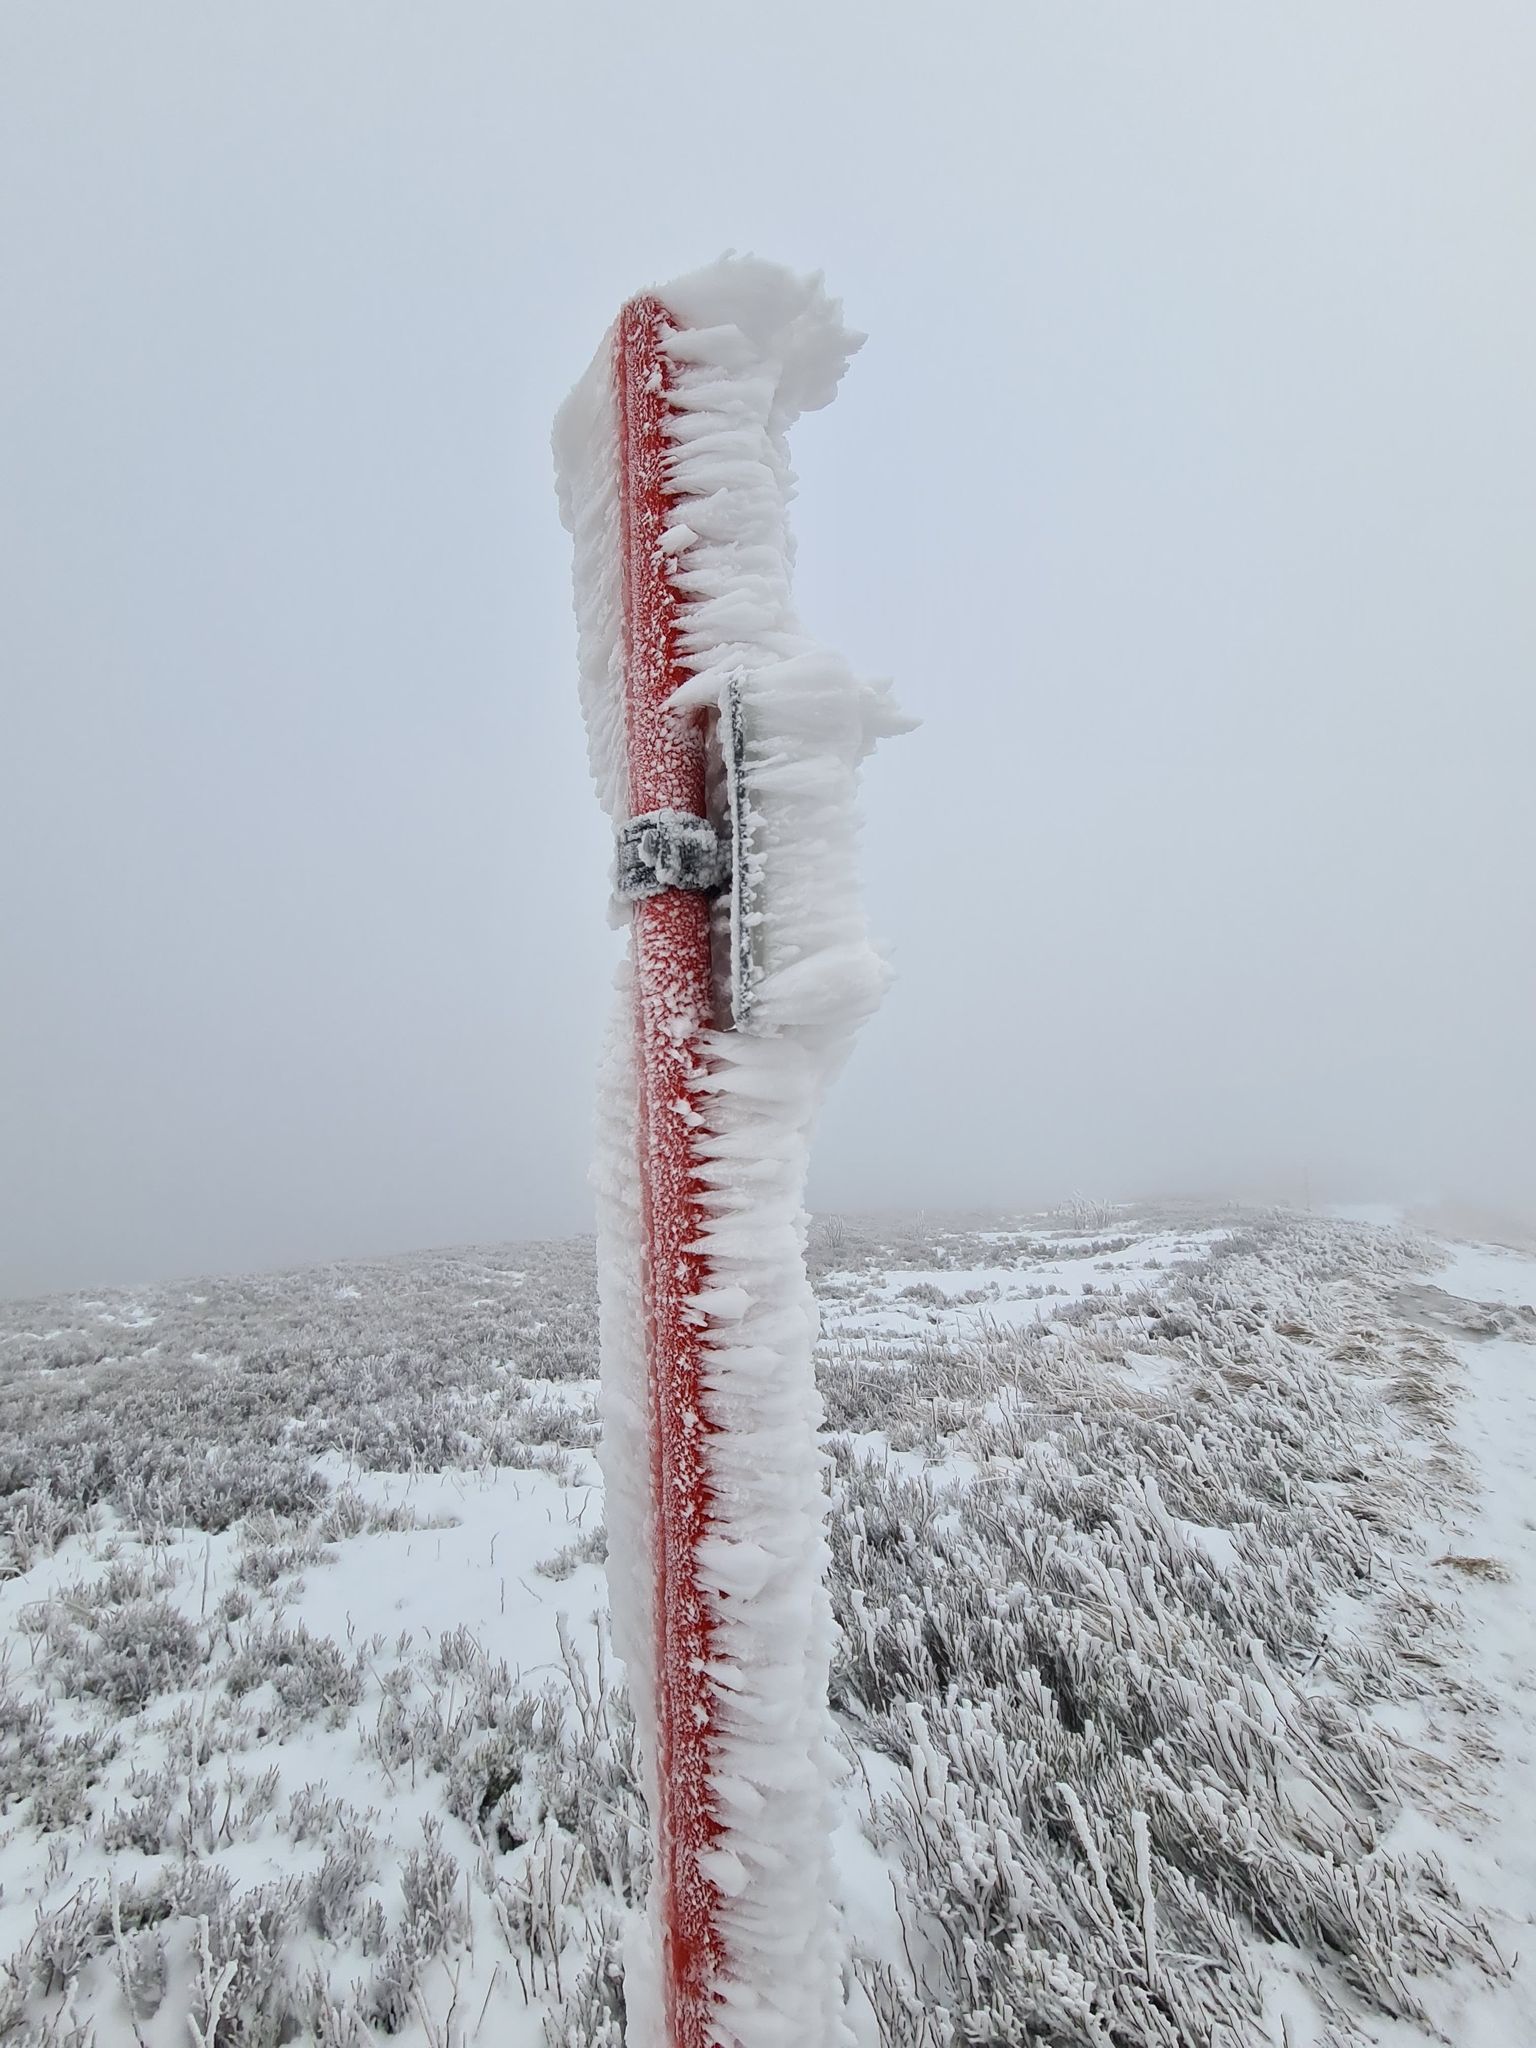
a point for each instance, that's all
(743, 348)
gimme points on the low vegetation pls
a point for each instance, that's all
(1126, 1578)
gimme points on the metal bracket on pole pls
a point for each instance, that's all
(669, 850)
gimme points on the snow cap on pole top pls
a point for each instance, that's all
(787, 326)
(786, 320)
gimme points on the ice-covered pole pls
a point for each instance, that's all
(724, 744)
(674, 1008)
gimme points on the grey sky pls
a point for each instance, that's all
(1185, 486)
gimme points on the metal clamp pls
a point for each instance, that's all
(669, 850)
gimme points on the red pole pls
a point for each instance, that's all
(674, 1007)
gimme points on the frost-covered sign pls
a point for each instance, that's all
(725, 746)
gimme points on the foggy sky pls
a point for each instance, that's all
(1185, 486)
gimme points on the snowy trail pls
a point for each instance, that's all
(1496, 1427)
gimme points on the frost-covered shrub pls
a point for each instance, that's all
(592, 1548)
(309, 1675)
(61, 1801)
(511, 1759)
(272, 1549)
(312, 1814)
(65, 1939)
(434, 1908)
(192, 1890)
(434, 1920)
(143, 1970)
(1126, 1734)
(56, 1773)
(592, 2013)
(33, 1522)
(145, 1824)
(143, 1648)
(925, 1293)
(245, 1996)
(388, 2002)
(349, 1514)
(334, 1900)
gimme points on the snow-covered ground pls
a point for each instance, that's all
(1184, 1578)
(1487, 1307)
